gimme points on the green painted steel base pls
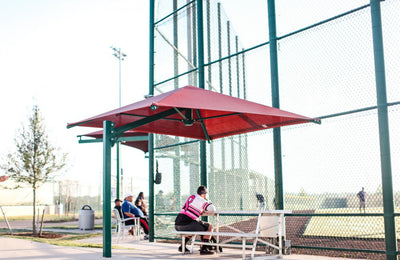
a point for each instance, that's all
(108, 128)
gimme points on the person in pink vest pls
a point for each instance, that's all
(188, 218)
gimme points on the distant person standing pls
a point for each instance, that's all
(361, 197)
(261, 201)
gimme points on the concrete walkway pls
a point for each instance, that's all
(20, 249)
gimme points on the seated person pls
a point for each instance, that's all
(187, 219)
(118, 207)
(130, 211)
(140, 203)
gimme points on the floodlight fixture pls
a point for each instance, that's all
(117, 53)
(120, 56)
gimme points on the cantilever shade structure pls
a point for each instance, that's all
(133, 139)
(189, 112)
(195, 113)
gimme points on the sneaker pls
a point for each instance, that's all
(186, 250)
(146, 237)
(206, 251)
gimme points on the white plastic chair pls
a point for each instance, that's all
(121, 227)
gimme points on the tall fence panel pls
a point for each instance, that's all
(326, 70)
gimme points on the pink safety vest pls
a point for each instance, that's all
(194, 206)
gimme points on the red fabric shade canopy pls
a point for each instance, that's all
(141, 145)
(195, 113)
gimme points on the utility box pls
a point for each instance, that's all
(86, 218)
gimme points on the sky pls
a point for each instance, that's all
(57, 55)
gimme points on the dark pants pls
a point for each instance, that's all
(193, 226)
(143, 223)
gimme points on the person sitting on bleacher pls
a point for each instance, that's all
(188, 218)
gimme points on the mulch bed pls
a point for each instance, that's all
(61, 220)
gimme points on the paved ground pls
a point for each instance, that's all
(19, 249)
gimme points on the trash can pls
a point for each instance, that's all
(86, 218)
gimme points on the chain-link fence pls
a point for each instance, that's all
(61, 198)
(326, 70)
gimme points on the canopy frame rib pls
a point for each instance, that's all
(119, 139)
(180, 113)
(170, 119)
(122, 129)
(248, 120)
(203, 126)
(80, 123)
(291, 122)
(212, 117)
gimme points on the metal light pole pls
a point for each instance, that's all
(120, 56)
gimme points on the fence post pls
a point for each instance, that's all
(273, 52)
(200, 64)
(151, 136)
(386, 171)
(108, 140)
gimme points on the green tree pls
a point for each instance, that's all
(35, 160)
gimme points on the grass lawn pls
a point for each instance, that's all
(360, 227)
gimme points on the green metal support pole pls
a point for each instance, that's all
(211, 175)
(238, 95)
(273, 52)
(175, 39)
(221, 81)
(200, 64)
(386, 168)
(246, 154)
(118, 192)
(176, 159)
(209, 48)
(151, 136)
(151, 188)
(228, 42)
(224, 193)
(108, 139)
